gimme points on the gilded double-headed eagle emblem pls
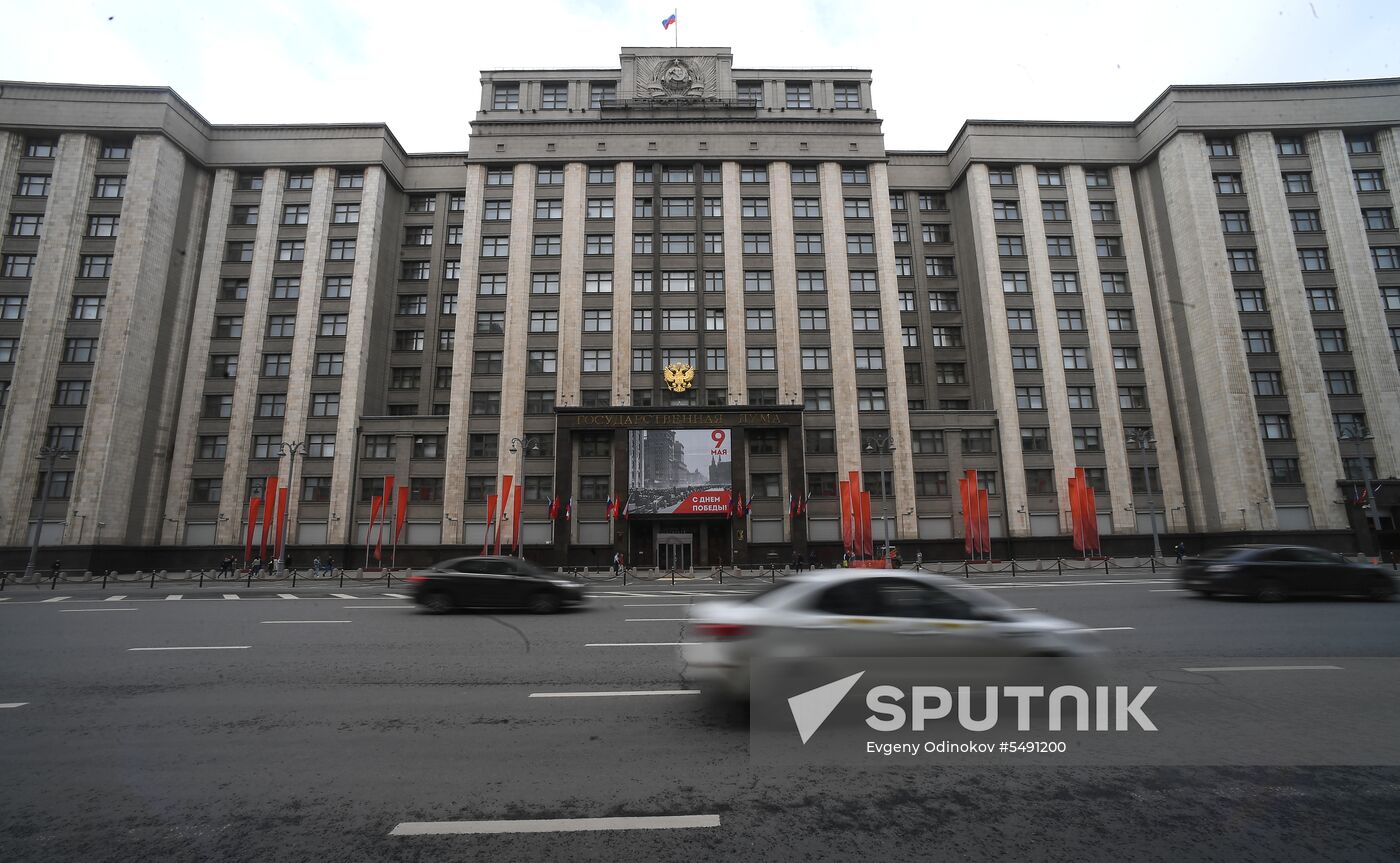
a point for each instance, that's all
(679, 377)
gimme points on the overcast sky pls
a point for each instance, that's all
(413, 64)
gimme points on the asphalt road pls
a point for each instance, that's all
(313, 741)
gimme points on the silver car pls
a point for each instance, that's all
(854, 613)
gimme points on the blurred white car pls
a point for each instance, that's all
(860, 613)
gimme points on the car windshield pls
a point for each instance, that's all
(774, 594)
(1222, 553)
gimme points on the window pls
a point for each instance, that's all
(762, 359)
(598, 320)
(1313, 260)
(272, 405)
(1127, 358)
(977, 440)
(213, 446)
(1266, 383)
(750, 92)
(1369, 180)
(800, 174)
(1081, 398)
(544, 283)
(678, 282)
(1001, 177)
(330, 364)
(1219, 147)
(1070, 320)
(109, 187)
(1243, 261)
(847, 95)
(903, 266)
(1386, 257)
(1011, 246)
(277, 365)
(597, 360)
(1064, 283)
(601, 93)
(492, 285)
(808, 244)
(1132, 398)
(870, 359)
(218, 406)
(554, 96)
(941, 267)
(281, 326)
(1086, 439)
(1331, 340)
(1259, 341)
(13, 308)
(205, 490)
(1114, 283)
(1120, 320)
(106, 226)
(865, 320)
(857, 208)
(641, 320)
(1063, 247)
(40, 148)
(1075, 358)
(337, 288)
(1054, 211)
(1323, 299)
(286, 288)
(942, 301)
(1378, 219)
(1025, 358)
(1035, 439)
(1103, 211)
(909, 337)
(1049, 177)
(223, 366)
(266, 446)
(291, 250)
(499, 247)
(1290, 146)
(1284, 471)
(855, 177)
(1297, 182)
(816, 398)
(950, 373)
(1020, 320)
(540, 322)
(870, 399)
(227, 326)
(26, 226)
(1250, 300)
(408, 340)
(816, 359)
(506, 97)
(811, 320)
(1235, 221)
(1390, 298)
(334, 325)
(300, 180)
(820, 441)
(758, 281)
(1229, 184)
(34, 185)
(799, 94)
(1015, 283)
(77, 350)
(1340, 382)
(88, 308)
(602, 175)
(641, 244)
(250, 182)
(1275, 427)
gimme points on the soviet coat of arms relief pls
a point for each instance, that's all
(677, 78)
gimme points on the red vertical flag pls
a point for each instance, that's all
(402, 513)
(254, 508)
(375, 504)
(846, 513)
(490, 520)
(388, 500)
(281, 520)
(269, 502)
(1076, 519)
(966, 514)
(867, 530)
(506, 481)
(985, 531)
(971, 520)
(1091, 519)
(857, 540)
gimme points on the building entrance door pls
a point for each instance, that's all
(675, 551)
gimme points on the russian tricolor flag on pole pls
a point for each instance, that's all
(666, 24)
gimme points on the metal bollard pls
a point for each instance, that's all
(1153, 561)
(1105, 566)
(1013, 567)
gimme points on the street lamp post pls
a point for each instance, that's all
(883, 443)
(49, 456)
(1145, 441)
(1357, 434)
(291, 449)
(529, 445)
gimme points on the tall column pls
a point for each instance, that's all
(622, 286)
(1170, 407)
(984, 229)
(114, 448)
(789, 353)
(352, 383)
(455, 462)
(313, 273)
(570, 291)
(1047, 326)
(737, 381)
(1319, 457)
(518, 319)
(838, 295)
(1368, 335)
(42, 336)
(1158, 404)
(1216, 372)
(11, 146)
(201, 330)
(245, 385)
(897, 387)
(1100, 350)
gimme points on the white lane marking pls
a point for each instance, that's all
(344, 596)
(174, 596)
(397, 595)
(117, 598)
(230, 596)
(660, 605)
(287, 595)
(555, 825)
(55, 599)
(1168, 590)
(13, 704)
(4, 599)
(77, 610)
(399, 607)
(1212, 670)
(305, 621)
(641, 644)
(614, 694)
(1105, 629)
(656, 620)
(230, 647)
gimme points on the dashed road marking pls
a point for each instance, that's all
(55, 599)
(1213, 670)
(174, 596)
(288, 596)
(656, 620)
(117, 598)
(642, 644)
(639, 692)
(230, 596)
(555, 825)
(1105, 629)
(305, 621)
(82, 610)
(12, 704)
(344, 596)
(220, 647)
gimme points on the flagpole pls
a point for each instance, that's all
(678, 25)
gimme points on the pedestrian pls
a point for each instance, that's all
(56, 567)
(617, 563)
(846, 559)
(315, 566)
(257, 566)
(811, 560)
(1180, 551)
(895, 562)
(796, 562)
(226, 566)
(918, 560)
(330, 565)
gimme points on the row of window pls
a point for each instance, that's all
(1075, 358)
(32, 225)
(346, 178)
(1018, 282)
(1070, 320)
(38, 185)
(1014, 246)
(1307, 221)
(1358, 143)
(1301, 183)
(47, 148)
(602, 175)
(1094, 178)
(270, 405)
(1055, 211)
(1081, 397)
(554, 95)
(1312, 260)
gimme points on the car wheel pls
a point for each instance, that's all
(438, 603)
(1269, 590)
(543, 603)
(1381, 590)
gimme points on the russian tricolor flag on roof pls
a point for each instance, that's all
(666, 25)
